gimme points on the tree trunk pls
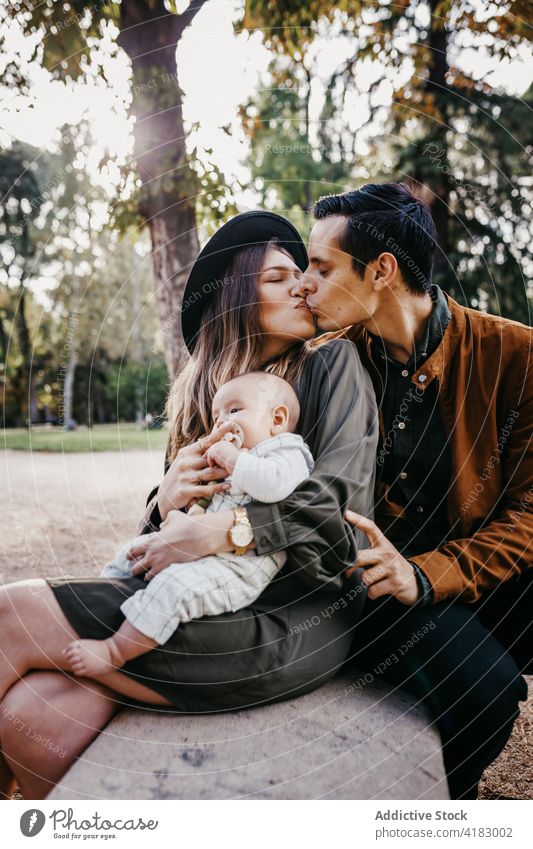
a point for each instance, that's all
(3, 342)
(438, 87)
(135, 335)
(307, 101)
(149, 35)
(68, 389)
(27, 381)
(68, 398)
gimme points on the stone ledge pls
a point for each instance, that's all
(337, 742)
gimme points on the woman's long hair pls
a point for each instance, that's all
(229, 342)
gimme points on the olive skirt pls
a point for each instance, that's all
(290, 641)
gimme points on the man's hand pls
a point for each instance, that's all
(387, 572)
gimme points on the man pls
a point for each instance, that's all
(451, 548)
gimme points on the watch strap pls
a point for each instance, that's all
(241, 516)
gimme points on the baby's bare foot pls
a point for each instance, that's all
(90, 657)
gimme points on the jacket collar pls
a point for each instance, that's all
(433, 333)
(435, 364)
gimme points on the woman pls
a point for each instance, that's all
(242, 310)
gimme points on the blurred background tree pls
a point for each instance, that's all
(464, 145)
(98, 309)
(166, 196)
(99, 224)
(21, 202)
(289, 168)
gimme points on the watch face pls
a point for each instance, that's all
(241, 535)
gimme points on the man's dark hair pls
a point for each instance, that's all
(385, 218)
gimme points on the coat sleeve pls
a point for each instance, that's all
(151, 520)
(503, 547)
(339, 423)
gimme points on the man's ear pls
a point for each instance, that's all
(280, 419)
(385, 269)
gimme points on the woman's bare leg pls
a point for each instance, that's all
(7, 780)
(38, 633)
(69, 713)
(34, 631)
(38, 636)
(50, 707)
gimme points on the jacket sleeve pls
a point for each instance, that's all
(339, 423)
(503, 547)
(151, 520)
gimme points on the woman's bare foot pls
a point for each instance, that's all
(90, 657)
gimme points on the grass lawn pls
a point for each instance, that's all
(108, 437)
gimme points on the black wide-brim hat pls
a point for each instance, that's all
(248, 228)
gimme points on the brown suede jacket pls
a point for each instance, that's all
(484, 366)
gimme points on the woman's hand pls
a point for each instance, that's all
(178, 542)
(183, 539)
(190, 476)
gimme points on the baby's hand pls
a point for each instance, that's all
(223, 454)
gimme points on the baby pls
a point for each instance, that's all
(266, 462)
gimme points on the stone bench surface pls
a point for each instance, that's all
(338, 742)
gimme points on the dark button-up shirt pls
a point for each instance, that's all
(484, 369)
(414, 459)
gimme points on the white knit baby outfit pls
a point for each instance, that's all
(223, 582)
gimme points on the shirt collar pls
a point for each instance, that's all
(433, 333)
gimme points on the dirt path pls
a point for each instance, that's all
(68, 514)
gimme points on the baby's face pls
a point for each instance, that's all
(248, 403)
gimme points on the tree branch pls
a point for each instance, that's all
(188, 16)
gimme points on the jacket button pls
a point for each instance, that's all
(422, 378)
(264, 540)
(403, 475)
(419, 509)
(401, 425)
(405, 373)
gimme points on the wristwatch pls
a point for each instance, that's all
(241, 532)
